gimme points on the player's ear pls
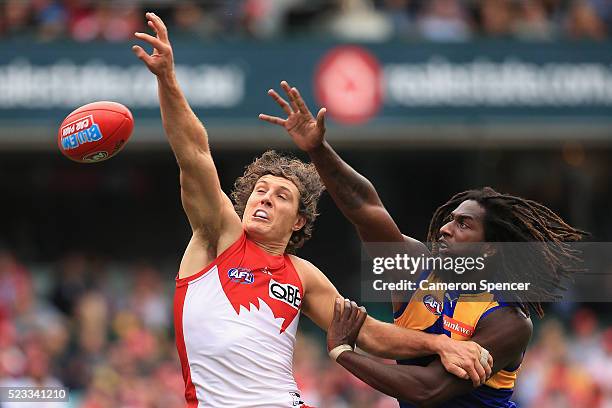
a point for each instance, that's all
(300, 221)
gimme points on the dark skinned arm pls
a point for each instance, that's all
(504, 332)
(354, 195)
(360, 203)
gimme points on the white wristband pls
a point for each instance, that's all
(336, 351)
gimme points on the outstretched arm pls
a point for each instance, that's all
(461, 358)
(505, 332)
(354, 195)
(208, 209)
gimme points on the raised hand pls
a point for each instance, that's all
(306, 131)
(161, 62)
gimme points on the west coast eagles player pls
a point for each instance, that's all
(239, 289)
(474, 216)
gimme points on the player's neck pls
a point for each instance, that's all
(273, 248)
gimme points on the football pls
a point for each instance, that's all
(95, 132)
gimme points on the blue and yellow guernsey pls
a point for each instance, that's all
(456, 314)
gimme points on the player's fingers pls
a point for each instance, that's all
(152, 25)
(285, 86)
(158, 26)
(485, 359)
(474, 376)
(347, 309)
(482, 374)
(155, 42)
(458, 371)
(287, 90)
(354, 311)
(141, 54)
(300, 101)
(272, 119)
(488, 371)
(321, 118)
(280, 101)
(363, 314)
(337, 308)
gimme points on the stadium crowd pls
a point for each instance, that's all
(105, 331)
(366, 20)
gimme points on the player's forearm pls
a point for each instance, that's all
(402, 382)
(185, 132)
(390, 341)
(349, 189)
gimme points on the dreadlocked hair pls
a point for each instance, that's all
(514, 219)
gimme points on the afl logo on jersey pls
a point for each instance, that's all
(241, 275)
(432, 305)
(285, 293)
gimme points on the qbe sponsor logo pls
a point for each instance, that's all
(285, 292)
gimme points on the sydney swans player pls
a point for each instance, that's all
(239, 291)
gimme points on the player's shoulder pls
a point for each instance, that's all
(302, 265)
(309, 274)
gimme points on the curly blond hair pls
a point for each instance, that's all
(303, 175)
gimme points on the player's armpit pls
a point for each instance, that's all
(214, 222)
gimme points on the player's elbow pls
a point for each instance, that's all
(423, 394)
(418, 397)
(194, 160)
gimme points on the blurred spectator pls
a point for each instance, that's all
(14, 279)
(497, 17)
(148, 300)
(533, 22)
(192, 20)
(17, 17)
(584, 23)
(51, 17)
(265, 18)
(444, 20)
(398, 14)
(70, 282)
(603, 8)
(585, 328)
(599, 365)
(358, 20)
(107, 21)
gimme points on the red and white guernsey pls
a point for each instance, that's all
(235, 324)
